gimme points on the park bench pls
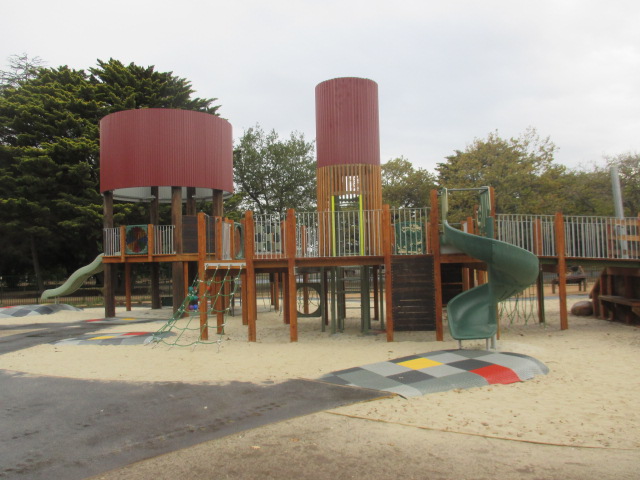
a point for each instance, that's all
(633, 305)
(580, 280)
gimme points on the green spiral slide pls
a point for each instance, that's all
(473, 314)
(75, 281)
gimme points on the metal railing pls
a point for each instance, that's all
(339, 234)
(162, 241)
(269, 241)
(602, 237)
(112, 242)
(534, 233)
(585, 237)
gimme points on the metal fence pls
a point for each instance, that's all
(269, 236)
(585, 236)
(527, 231)
(162, 240)
(112, 241)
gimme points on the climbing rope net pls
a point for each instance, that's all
(520, 308)
(220, 290)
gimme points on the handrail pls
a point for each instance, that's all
(359, 233)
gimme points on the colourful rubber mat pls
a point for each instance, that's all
(27, 310)
(129, 338)
(440, 371)
(123, 320)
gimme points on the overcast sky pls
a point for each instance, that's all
(448, 71)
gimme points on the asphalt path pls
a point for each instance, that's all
(34, 334)
(53, 427)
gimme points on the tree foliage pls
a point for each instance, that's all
(406, 186)
(521, 170)
(273, 175)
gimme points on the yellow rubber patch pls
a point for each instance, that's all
(419, 363)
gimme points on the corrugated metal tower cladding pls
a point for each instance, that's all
(348, 141)
(164, 148)
(347, 124)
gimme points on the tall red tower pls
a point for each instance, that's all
(348, 144)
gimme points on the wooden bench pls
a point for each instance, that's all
(632, 303)
(580, 280)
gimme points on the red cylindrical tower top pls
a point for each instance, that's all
(347, 122)
(166, 148)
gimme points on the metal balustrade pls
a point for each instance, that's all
(584, 236)
(112, 242)
(602, 237)
(339, 234)
(269, 241)
(359, 233)
(163, 240)
(534, 233)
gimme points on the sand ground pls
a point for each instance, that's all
(580, 421)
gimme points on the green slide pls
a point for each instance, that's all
(75, 281)
(472, 314)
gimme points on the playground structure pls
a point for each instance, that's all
(410, 262)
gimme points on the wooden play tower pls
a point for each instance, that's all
(155, 156)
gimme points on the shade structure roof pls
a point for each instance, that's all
(145, 148)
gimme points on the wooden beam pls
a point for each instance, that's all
(191, 201)
(109, 269)
(177, 266)
(217, 203)
(250, 276)
(154, 218)
(562, 270)
(202, 285)
(388, 274)
(434, 220)
(127, 286)
(290, 246)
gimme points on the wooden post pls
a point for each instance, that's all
(154, 218)
(202, 285)
(538, 247)
(123, 242)
(376, 309)
(127, 286)
(540, 296)
(562, 270)
(191, 201)
(434, 219)
(217, 204)
(109, 268)
(217, 221)
(250, 276)
(291, 274)
(177, 267)
(387, 248)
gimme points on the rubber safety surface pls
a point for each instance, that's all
(440, 371)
